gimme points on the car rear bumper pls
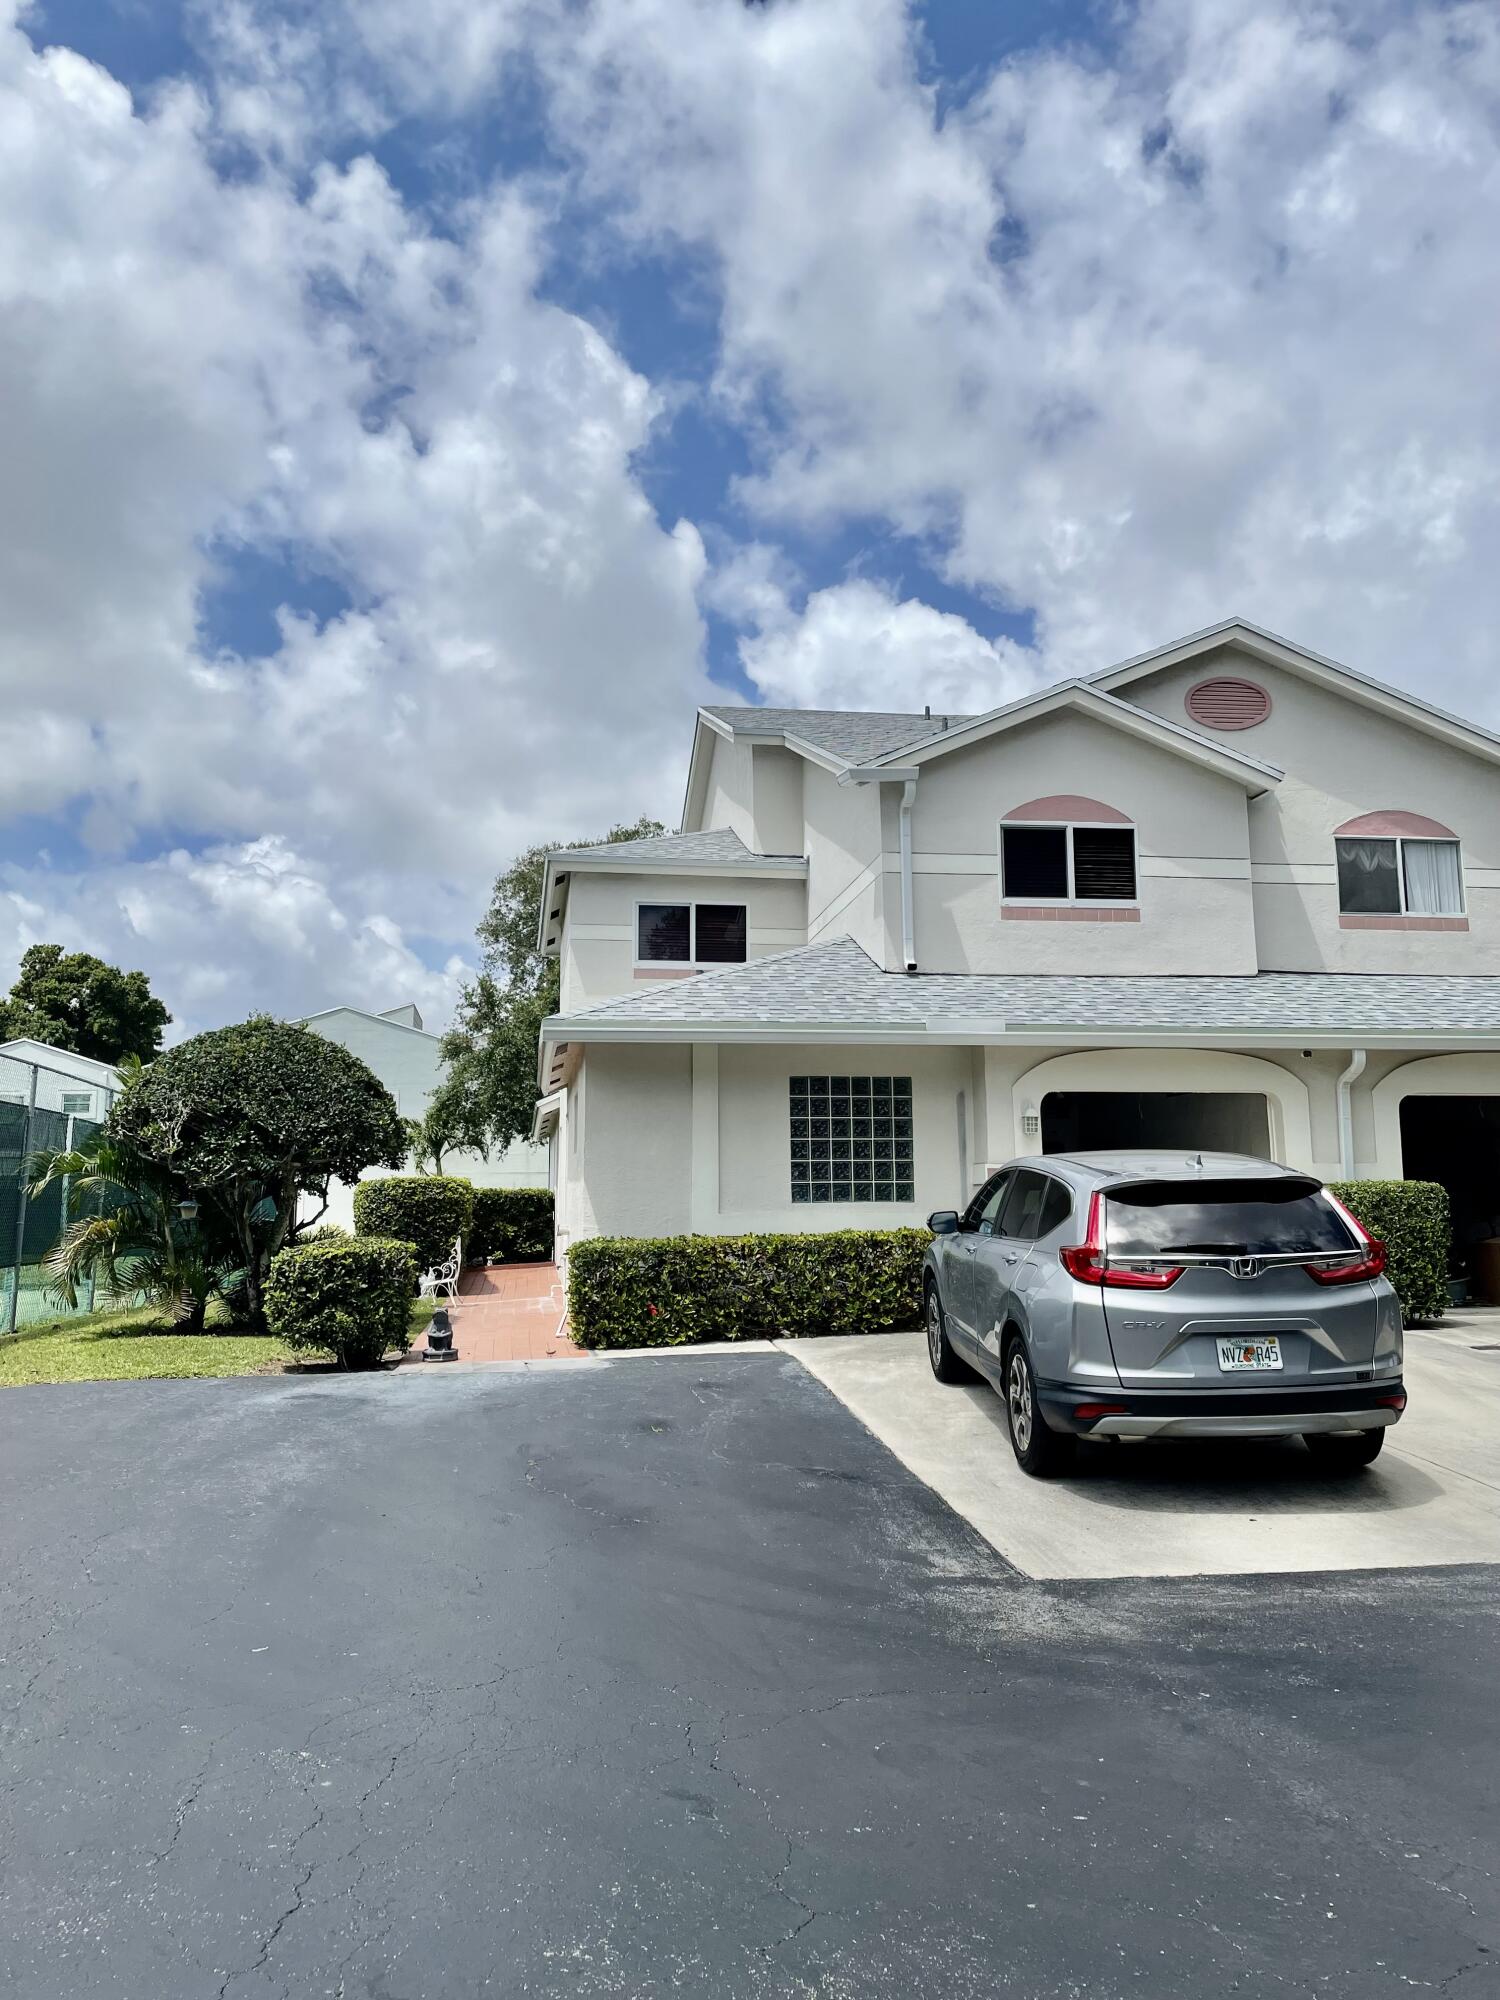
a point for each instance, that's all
(1291, 1412)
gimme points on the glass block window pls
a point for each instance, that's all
(851, 1138)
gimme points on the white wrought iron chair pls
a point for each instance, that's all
(442, 1281)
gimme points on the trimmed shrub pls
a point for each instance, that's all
(352, 1298)
(1412, 1220)
(512, 1224)
(626, 1291)
(425, 1210)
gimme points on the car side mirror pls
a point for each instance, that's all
(943, 1222)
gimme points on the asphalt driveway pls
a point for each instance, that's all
(664, 1676)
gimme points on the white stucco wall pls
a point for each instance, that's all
(1341, 760)
(845, 894)
(626, 1158)
(776, 779)
(1193, 856)
(599, 936)
(730, 795)
(683, 1139)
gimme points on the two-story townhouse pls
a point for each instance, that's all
(1226, 895)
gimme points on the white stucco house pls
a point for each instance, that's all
(1227, 894)
(407, 1060)
(52, 1079)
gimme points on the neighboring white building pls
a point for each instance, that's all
(74, 1086)
(406, 1059)
(1228, 894)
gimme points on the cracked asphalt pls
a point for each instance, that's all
(663, 1676)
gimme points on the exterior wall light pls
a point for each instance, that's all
(1031, 1122)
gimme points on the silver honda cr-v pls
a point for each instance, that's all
(1153, 1294)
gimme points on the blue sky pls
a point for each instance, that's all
(414, 413)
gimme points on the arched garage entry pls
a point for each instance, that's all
(1438, 1119)
(1198, 1098)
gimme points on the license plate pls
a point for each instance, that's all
(1239, 1353)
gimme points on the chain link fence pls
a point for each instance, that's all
(41, 1110)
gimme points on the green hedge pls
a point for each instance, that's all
(626, 1291)
(512, 1224)
(352, 1298)
(425, 1210)
(1412, 1220)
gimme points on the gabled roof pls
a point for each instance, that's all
(838, 991)
(364, 1014)
(863, 747)
(1266, 646)
(841, 735)
(717, 852)
(1086, 699)
(719, 849)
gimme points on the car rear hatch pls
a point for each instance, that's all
(1261, 1283)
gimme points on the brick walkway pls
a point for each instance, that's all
(509, 1312)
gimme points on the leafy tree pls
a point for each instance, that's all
(75, 1001)
(489, 1093)
(126, 1233)
(251, 1118)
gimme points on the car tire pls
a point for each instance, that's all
(945, 1363)
(1040, 1451)
(1345, 1451)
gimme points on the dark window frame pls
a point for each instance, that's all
(692, 905)
(1400, 842)
(1068, 828)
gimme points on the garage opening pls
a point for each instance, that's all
(1456, 1141)
(1188, 1120)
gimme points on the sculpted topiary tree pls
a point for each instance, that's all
(253, 1117)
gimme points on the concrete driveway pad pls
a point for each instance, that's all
(1189, 1509)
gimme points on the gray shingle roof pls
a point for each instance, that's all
(827, 985)
(719, 846)
(851, 734)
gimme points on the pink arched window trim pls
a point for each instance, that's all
(1377, 825)
(1067, 809)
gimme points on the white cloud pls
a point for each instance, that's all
(299, 942)
(1137, 344)
(1130, 341)
(284, 360)
(855, 646)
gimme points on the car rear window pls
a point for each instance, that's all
(1222, 1218)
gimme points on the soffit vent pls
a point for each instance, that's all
(1227, 702)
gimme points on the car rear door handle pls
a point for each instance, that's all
(1012, 1256)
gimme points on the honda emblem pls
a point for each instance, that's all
(1245, 1267)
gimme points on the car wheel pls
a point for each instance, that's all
(1039, 1450)
(945, 1363)
(1345, 1451)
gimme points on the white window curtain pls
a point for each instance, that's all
(1434, 879)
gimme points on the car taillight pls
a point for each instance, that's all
(1086, 1261)
(1367, 1263)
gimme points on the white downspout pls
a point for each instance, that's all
(1347, 1079)
(908, 931)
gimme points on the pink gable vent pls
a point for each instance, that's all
(1227, 702)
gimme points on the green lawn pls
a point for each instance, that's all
(134, 1345)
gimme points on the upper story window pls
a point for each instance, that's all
(690, 933)
(1067, 849)
(1399, 865)
(77, 1103)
